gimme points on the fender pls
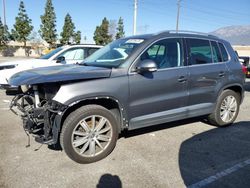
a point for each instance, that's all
(94, 100)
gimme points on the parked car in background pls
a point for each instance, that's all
(131, 83)
(70, 54)
(244, 69)
(246, 62)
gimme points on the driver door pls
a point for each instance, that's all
(157, 97)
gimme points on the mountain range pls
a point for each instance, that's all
(236, 35)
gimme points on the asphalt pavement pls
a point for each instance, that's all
(186, 153)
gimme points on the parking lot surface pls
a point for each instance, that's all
(186, 153)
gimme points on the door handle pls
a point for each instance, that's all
(182, 79)
(221, 74)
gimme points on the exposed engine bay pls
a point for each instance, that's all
(40, 114)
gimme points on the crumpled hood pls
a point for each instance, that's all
(58, 74)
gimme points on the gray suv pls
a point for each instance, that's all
(131, 83)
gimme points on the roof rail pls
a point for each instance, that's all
(187, 32)
(86, 44)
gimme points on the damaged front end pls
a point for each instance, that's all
(40, 114)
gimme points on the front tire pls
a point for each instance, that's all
(89, 134)
(226, 110)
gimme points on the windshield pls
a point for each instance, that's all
(50, 54)
(114, 54)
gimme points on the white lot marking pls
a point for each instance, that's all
(220, 175)
(6, 101)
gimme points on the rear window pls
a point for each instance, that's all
(200, 51)
(223, 52)
(216, 52)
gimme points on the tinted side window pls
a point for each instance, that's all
(165, 53)
(200, 51)
(223, 52)
(91, 51)
(156, 50)
(216, 52)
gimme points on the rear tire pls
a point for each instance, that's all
(226, 110)
(89, 134)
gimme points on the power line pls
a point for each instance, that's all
(187, 17)
(223, 18)
(204, 21)
(217, 9)
(212, 13)
(153, 3)
(124, 3)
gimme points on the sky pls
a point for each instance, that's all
(153, 15)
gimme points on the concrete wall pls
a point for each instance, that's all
(16, 49)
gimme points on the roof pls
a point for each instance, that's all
(180, 33)
(83, 45)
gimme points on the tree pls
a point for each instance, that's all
(4, 35)
(22, 26)
(120, 29)
(77, 37)
(101, 35)
(48, 26)
(68, 30)
(36, 42)
(112, 28)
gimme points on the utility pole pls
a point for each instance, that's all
(135, 16)
(178, 15)
(4, 14)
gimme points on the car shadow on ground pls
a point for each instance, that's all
(215, 154)
(146, 130)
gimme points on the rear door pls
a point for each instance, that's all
(157, 97)
(207, 73)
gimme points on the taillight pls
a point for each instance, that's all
(244, 69)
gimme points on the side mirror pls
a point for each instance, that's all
(60, 59)
(146, 65)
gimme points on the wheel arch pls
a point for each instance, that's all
(236, 88)
(109, 103)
